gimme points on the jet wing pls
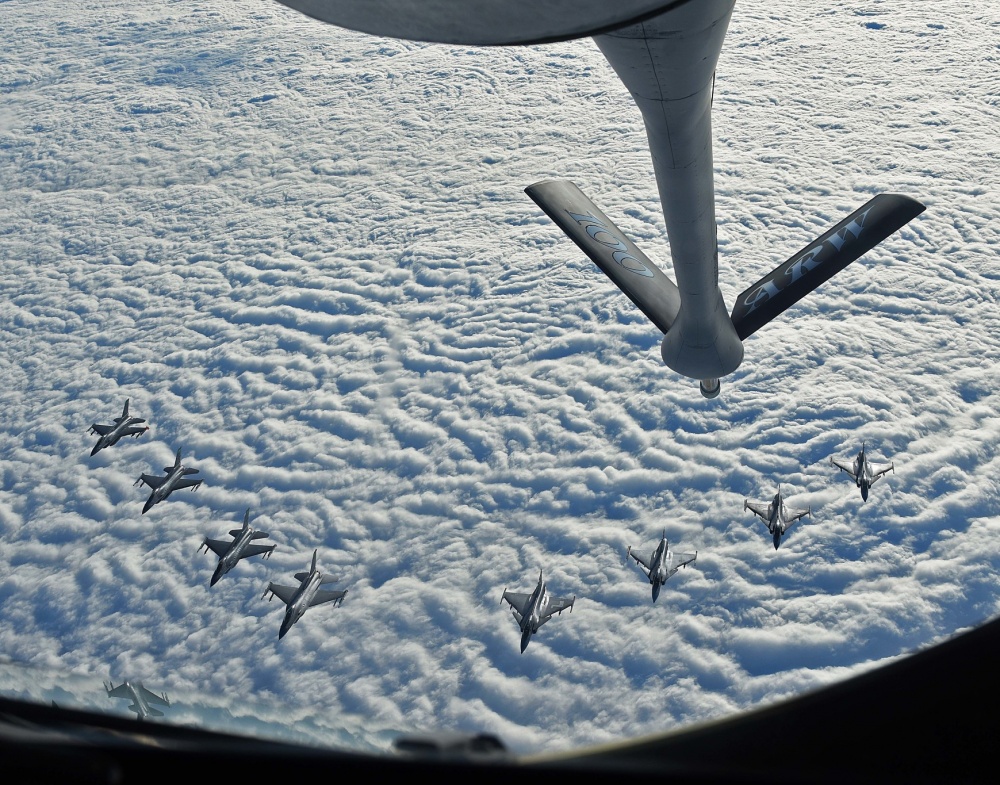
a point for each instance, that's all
(102, 430)
(221, 547)
(153, 481)
(283, 593)
(639, 559)
(881, 470)
(763, 510)
(152, 697)
(327, 596)
(256, 550)
(794, 515)
(119, 692)
(133, 431)
(557, 605)
(186, 484)
(516, 600)
(683, 559)
(845, 467)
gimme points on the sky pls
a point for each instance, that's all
(305, 256)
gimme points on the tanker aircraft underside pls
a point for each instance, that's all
(665, 52)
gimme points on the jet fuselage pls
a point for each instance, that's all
(863, 472)
(175, 474)
(658, 572)
(300, 601)
(776, 519)
(532, 613)
(232, 557)
(111, 437)
(139, 705)
(163, 491)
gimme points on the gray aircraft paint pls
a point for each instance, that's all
(141, 698)
(531, 611)
(864, 474)
(610, 249)
(662, 563)
(481, 22)
(775, 515)
(308, 593)
(823, 258)
(668, 65)
(241, 547)
(126, 425)
(164, 486)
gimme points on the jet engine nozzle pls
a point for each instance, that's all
(710, 388)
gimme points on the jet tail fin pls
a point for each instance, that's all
(628, 267)
(826, 256)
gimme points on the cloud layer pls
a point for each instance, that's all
(305, 255)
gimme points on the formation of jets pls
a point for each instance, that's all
(530, 610)
(242, 546)
(668, 64)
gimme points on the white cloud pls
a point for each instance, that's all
(305, 256)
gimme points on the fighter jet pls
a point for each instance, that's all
(775, 515)
(862, 472)
(164, 486)
(122, 426)
(140, 697)
(531, 611)
(662, 563)
(305, 596)
(230, 553)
